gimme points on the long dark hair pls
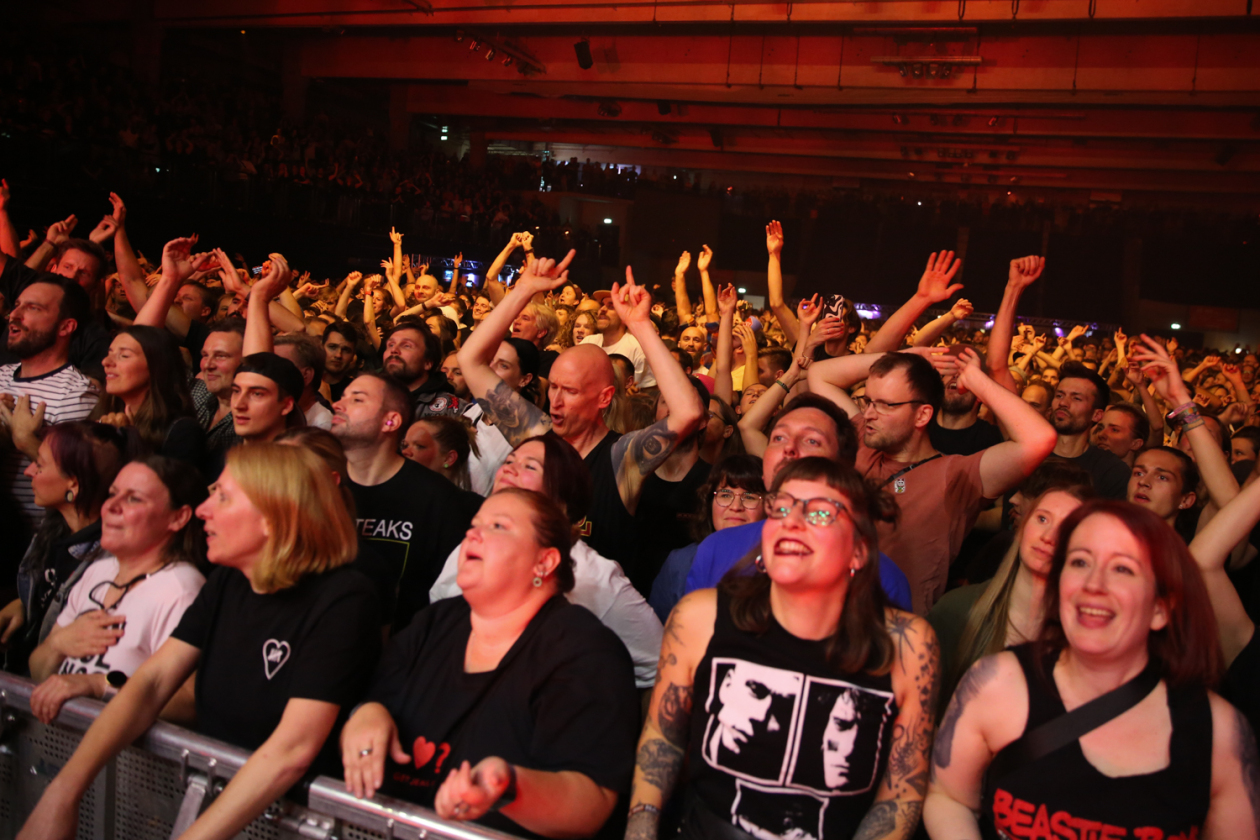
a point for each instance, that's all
(92, 454)
(169, 398)
(185, 486)
(1187, 649)
(861, 641)
(566, 480)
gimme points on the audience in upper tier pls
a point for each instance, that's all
(832, 517)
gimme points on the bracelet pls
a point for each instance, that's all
(644, 808)
(1182, 409)
(1189, 419)
(785, 388)
(509, 794)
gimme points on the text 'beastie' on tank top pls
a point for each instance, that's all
(1062, 795)
(782, 743)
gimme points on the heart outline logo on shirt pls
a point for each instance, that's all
(275, 654)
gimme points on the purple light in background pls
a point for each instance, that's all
(988, 325)
(1058, 331)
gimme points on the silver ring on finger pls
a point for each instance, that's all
(365, 752)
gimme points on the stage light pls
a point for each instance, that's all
(490, 54)
(459, 35)
(1174, 325)
(507, 61)
(608, 221)
(474, 45)
(583, 51)
(917, 70)
(742, 290)
(920, 203)
(993, 122)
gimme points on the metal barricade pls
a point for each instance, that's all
(157, 787)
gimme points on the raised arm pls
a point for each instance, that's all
(832, 378)
(178, 263)
(681, 301)
(724, 355)
(1213, 467)
(369, 311)
(934, 287)
(258, 318)
(774, 283)
(347, 292)
(663, 743)
(492, 286)
(638, 454)
(706, 285)
(1023, 273)
(1032, 439)
(753, 424)
(513, 415)
(927, 336)
(8, 236)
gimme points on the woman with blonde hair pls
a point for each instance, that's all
(282, 637)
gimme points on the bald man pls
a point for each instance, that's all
(581, 387)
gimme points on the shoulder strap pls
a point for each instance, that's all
(1055, 734)
(899, 473)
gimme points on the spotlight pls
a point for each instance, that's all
(474, 45)
(911, 174)
(608, 221)
(993, 121)
(898, 119)
(1174, 325)
(507, 61)
(947, 70)
(933, 69)
(916, 70)
(490, 54)
(901, 68)
(742, 290)
(583, 51)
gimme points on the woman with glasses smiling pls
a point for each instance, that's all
(125, 605)
(801, 701)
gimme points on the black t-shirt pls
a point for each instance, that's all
(665, 514)
(977, 437)
(609, 528)
(318, 640)
(1110, 474)
(1241, 685)
(337, 389)
(413, 520)
(546, 358)
(198, 332)
(562, 698)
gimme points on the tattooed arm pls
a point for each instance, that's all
(915, 678)
(664, 740)
(514, 416)
(970, 735)
(637, 455)
(1234, 809)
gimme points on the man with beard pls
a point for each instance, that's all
(616, 339)
(43, 387)
(694, 341)
(412, 355)
(412, 516)
(957, 428)
(939, 495)
(1079, 402)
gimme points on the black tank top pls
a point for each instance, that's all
(609, 528)
(1062, 795)
(782, 743)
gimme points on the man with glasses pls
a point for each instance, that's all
(940, 496)
(807, 425)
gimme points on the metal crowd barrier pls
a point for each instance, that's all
(156, 788)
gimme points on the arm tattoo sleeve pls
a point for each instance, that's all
(674, 716)
(513, 415)
(968, 689)
(638, 454)
(1249, 759)
(879, 822)
(643, 826)
(659, 762)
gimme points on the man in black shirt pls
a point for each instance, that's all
(1079, 402)
(341, 360)
(581, 386)
(412, 516)
(412, 355)
(957, 428)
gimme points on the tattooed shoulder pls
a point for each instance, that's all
(977, 676)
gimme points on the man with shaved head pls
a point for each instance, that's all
(581, 387)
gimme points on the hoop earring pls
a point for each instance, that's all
(70, 496)
(537, 581)
(760, 564)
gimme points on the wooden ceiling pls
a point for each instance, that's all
(1128, 95)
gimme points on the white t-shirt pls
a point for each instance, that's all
(69, 395)
(601, 587)
(630, 348)
(152, 608)
(318, 416)
(492, 450)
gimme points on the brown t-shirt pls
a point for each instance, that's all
(939, 503)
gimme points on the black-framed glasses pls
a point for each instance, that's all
(817, 511)
(724, 498)
(885, 407)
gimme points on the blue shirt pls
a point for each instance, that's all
(723, 549)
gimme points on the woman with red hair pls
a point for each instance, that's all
(1107, 719)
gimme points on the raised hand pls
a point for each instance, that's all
(275, 280)
(705, 257)
(1172, 346)
(1038, 343)
(1075, 333)
(961, 309)
(1024, 271)
(545, 275)
(831, 328)
(310, 290)
(632, 302)
(727, 298)
(1121, 339)
(23, 421)
(59, 232)
(354, 278)
(177, 259)
(935, 282)
(4, 194)
(1212, 361)
(969, 369)
(458, 260)
(120, 209)
(808, 310)
(684, 262)
(104, 230)
(1133, 373)
(395, 236)
(1160, 368)
(774, 238)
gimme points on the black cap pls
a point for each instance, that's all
(279, 370)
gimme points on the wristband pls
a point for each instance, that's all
(509, 794)
(1189, 419)
(785, 388)
(1182, 409)
(1192, 424)
(644, 808)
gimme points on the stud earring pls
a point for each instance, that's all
(760, 564)
(69, 495)
(537, 581)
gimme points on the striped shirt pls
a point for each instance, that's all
(67, 395)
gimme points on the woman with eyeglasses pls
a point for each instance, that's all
(125, 605)
(734, 495)
(802, 703)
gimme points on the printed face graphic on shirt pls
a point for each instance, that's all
(792, 741)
